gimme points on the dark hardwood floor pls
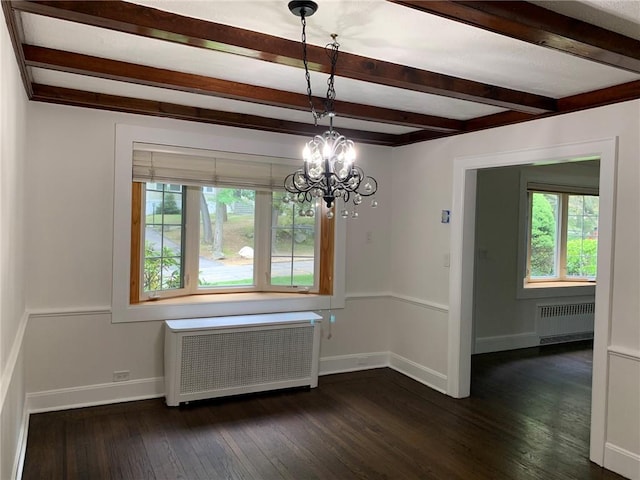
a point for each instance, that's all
(527, 418)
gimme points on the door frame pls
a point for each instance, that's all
(462, 266)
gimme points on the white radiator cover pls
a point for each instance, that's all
(220, 356)
(565, 321)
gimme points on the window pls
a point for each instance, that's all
(563, 235)
(163, 258)
(203, 225)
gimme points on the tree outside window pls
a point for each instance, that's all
(563, 236)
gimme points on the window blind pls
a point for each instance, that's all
(556, 188)
(218, 169)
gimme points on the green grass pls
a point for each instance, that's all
(301, 280)
(169, 219)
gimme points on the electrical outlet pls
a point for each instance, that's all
(121, 375)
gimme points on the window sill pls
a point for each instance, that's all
(223, 298)
(556, 289)
(228, 304)
(559, 284)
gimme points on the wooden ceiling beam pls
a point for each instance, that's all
(149, 22)
(81, 98)
(14, 26)
(597, 98)
(537, 25)
(157, 77)
(601, 97)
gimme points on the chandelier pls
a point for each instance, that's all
(329, 169)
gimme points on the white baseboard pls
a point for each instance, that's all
(506, 342)
(622, 461)
(92, 395)
(18, 464)
(105, 393)
(420, 373)
(353, 363)
(366, 361)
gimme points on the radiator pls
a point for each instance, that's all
(220, 356)
(565, 322)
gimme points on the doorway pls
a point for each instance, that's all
(462, 257)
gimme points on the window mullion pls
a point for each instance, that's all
(192, 239)
(562, 244)
(262, 257)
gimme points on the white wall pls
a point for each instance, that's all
(423, 187)
(12, 255)
(503, 318)
(72, 346)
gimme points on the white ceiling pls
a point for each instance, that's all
(373, 28)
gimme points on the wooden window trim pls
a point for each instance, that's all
(136, 239)
(327, 252)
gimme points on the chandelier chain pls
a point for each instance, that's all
(332, 52)
(306, 67)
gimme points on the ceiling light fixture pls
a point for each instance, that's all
(329, 169)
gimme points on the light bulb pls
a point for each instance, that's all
(326, 150)
(351, 154)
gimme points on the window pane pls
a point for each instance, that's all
(544, 235)
(582, 236)
(227, 231)
(293, 232)
(163, 238)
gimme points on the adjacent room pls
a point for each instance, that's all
(335, 239)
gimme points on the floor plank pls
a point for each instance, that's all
(527, 418)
